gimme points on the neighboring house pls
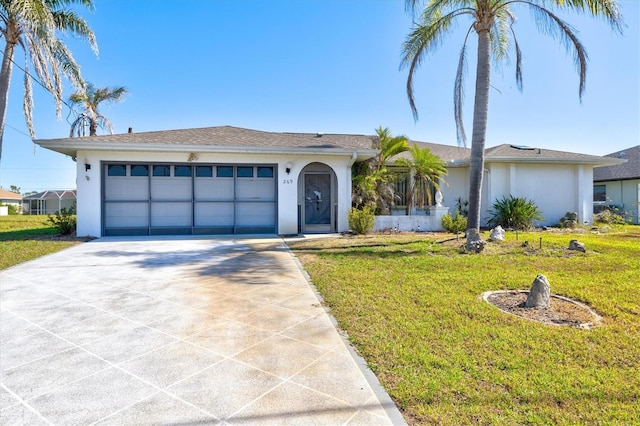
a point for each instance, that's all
(49, 202)
(229, 180)
(618, 186)
(8, 198)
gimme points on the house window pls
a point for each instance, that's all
(204, 171)
(265, 172)
(139, 170)
(182, 171)
(401, 189)
(599, 193)
(245, 172)
(161, 170)
(116, 170)
(224, 171)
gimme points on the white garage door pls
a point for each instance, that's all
(160, 199)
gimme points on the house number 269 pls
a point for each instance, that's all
(287, 181)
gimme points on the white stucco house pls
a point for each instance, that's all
(618, 186)
(229, 180)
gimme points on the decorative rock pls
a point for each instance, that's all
(497, 234)
(539, 294)
(576, 245)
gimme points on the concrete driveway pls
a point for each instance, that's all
(176, 330)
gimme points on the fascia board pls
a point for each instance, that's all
(68, 149)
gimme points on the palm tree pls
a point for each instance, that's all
(34, 25)
(89, 101)
(426, 171)
(492, 21)
(372, 181)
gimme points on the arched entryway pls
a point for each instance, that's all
(317, 190)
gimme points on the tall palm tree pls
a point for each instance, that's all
(34, 25)
(426, 172)
(89, 100)
(492, 21)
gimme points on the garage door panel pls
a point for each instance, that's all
(126, 188)
(171, 214)
(214, 214)
(126, 215)
(213, 189)
(261, 189)
(171, 188)
(255, 214)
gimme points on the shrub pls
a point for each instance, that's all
(514, 212)
(64, 220)
(455, 224)
(361, 220)
(609, 217)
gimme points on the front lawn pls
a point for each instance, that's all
(411, 306)
(25, 237)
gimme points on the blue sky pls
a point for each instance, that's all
(327, 66)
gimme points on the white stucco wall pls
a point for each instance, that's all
(89, 203)
(457, 186)
(555, 188)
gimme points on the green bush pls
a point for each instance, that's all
(610, 217)
(515, 213)
(64, 220)
(361, 220)
(455, 224)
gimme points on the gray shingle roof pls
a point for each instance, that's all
(230, 136)
(507, 152)
(628, 170)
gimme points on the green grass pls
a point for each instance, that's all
(24, 237)
(411, 307)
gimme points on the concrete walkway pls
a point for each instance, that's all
(176, 330)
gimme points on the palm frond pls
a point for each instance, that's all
(423, 39)
(550, 24)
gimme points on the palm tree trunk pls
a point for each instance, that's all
(480, 116)
(5, 81)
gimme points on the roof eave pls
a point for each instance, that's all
(596, 161)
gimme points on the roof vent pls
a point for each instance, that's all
(319, 134)
(130, 130)
(523, 147)
(622, 154)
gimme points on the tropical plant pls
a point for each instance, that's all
(426, 170)
(372, 180)
(462, 206)
(361, 221)
(455, 224)
(34, 25)
(514, 212)
(91, 117)
(493, 23)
